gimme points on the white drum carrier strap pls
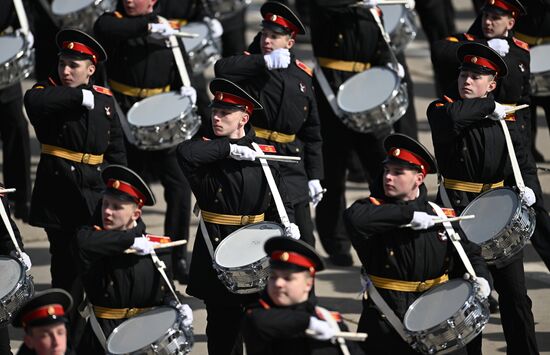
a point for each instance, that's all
(178, 57)
(326, 89)
(334, 325)
(273, 187)
(455, 239)
(22, 16)
(7, 223)
(513, 159)
(159, 264)
(88, 313)
(204, 233)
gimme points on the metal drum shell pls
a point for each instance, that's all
(15, 298)
(80, 17)
(20, 64)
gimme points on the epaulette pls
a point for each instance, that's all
(206, 139)
(304, 67)
(264, 304)
(161, 239)
(469, 37)
(97, 228)
(246, 53)
(102, 90)
(118, 14)
(375, 201)
(449, 212)
(267, 148)
(443, 101)
(448, 99)
(521, 44)
(452, 39)
(335, 315)
(52, 81)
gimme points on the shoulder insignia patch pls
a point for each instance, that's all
(521, 44)
(375, 201)
(102, 90)
(304, 67)
(267, 148)
(118, 14)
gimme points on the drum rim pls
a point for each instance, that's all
(20, 281)
(149, 100)
(536, 49)
(84, 8)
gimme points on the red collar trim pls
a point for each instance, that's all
(82, 48)
(409, 157)
(482, 62)
(43, 312)
(234, 100)
(128, 189)
(505, 6)
(294, 258)
(281, 21)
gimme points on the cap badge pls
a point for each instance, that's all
(51, 311)
(108, 111)
(116, 184)
(273, 18)
(219, 96)
(396, 152)
(284, 256)
(492, 2)
(473, 60)
(70, 45)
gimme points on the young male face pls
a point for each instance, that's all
(287, 287)
(228, 122)
(138, 7)
(400, 182)
(496, 26)
(74, 72)
(118, 214)
(48, 339)
(472, 85)
(271, 40)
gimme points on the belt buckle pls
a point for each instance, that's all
(422, 286)
(85, 158)
(358, 67)
(245, 220)
(132, 312)
(486, 187)
(273, 136)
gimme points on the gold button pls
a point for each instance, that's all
(245, 219)
(216, 239)
(391, 252)
(85, 158)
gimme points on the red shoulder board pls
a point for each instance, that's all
(206, 139)
(117, 14)
(375, 201)
(448, 99)
(449, 212)
(102, 90)
(97, 228)
(158, 238)
(246, 53)
(52, 81)
(452, 39)
(469, 37)
(521, 44)
(264, 304)
(267, 148)
(304, 67)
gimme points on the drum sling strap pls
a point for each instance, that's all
(326, 89)
(7, 223)
(513, 159)
(334, 325)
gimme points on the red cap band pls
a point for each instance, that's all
(482, 62)
(409, 157)
(82, 48)
(293, 258)
(43, 312)
(504, 6)
(128, 189)
(281, 21)
(234, 100)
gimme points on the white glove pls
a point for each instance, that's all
(186, 314)
(400, 71)
(323, 331)
(410, 4)
(292, 231)
(315, 191)
(528, 197)
(241, 152)
(369, 3)
(277, 59)
(190, 92)
(161, 30)
(215, 26)
(500, 46)
(88, 99)
(422, 220)
(484, 288)
(142, 246)
(499, 113)
(26, 260)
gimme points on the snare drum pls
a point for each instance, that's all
(400, 23)
(223, 9)
(540, 70)
(502, 225)
(16, 287)
(81, 14)
(154, 332)
(16, 59)
(163, 121)
(372, 100)
(240, 259)
(447, 317)
(203, 50)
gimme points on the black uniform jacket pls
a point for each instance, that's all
(352, 35)
(6, 244)
(270, 329)
(385, 250)
(65, 192)
(116, 280)
(289, 107)
(227, 186)
(194, 10)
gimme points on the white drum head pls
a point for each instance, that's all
(392, 16)
(9, 47)
(64, 7)
(246, 245)
(367, 90)
(11, 272)
(199, 28)
(437, 305)
(158, 109)
(493, 211)
(539, 58)
(141, 330)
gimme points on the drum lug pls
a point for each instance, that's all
(451, 323)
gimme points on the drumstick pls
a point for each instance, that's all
(159, 246)
(186, 34)
(282, 158)
(346, 335)
(452, 219)
(510, 109)
(7, 191)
